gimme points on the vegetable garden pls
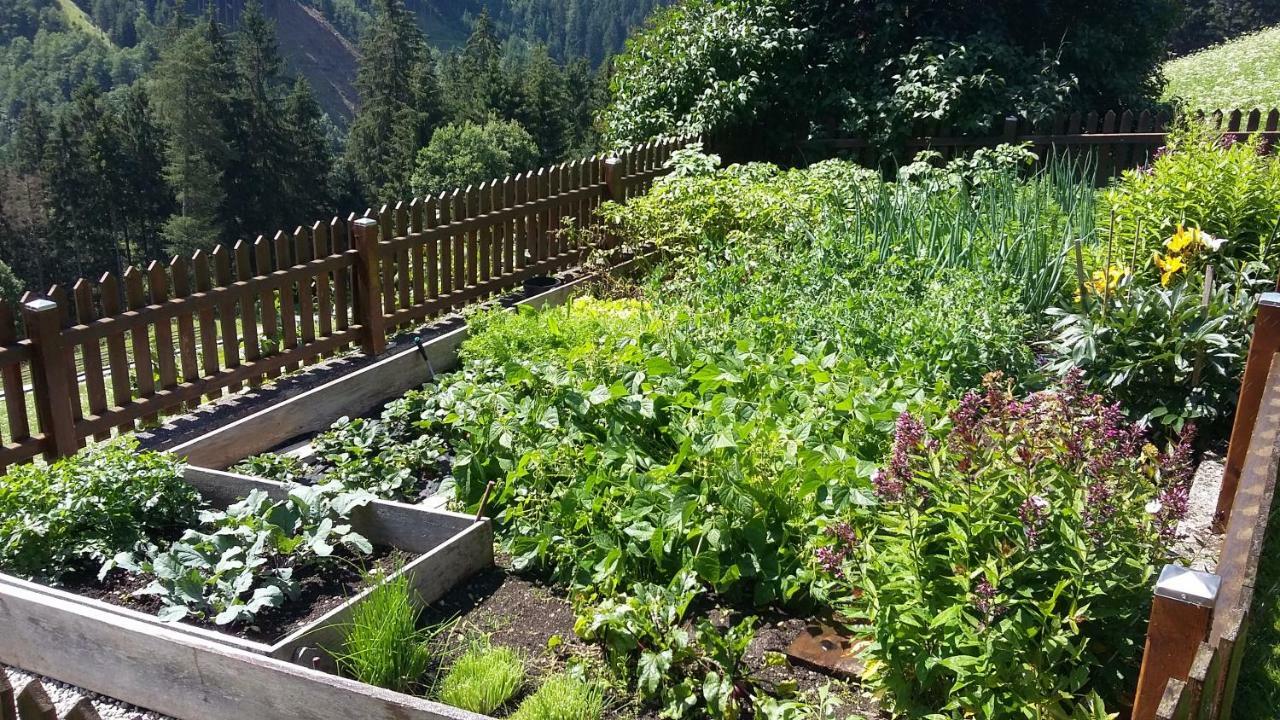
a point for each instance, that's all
(955, 415)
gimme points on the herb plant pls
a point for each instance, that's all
(383, 644)
(563, 696)
(1005, 570)
(80, 511)
(243, 559)
(483, 678)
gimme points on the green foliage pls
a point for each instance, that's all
(376, 456)
(563, 696)
(1005, 570)
(685, 673)
(382, 644)
(770, 73)
(271, 466)
(1165, 355)
(244, 559)
(468, 154)
(706, 64)
(483, 679)
(80, 511)
(1226, 188)
(502, 337)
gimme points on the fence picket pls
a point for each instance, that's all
(208, 330)
(91, 352)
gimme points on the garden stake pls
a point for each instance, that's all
(1133, 263)
(422, 350)
(1204, 304)
(1106, 272)
(484, 499)
(1084, 296)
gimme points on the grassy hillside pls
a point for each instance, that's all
(77, 18)
(1243, 73)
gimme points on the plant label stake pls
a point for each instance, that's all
(422, 350)
(484, 500)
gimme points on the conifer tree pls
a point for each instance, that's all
(190, 87)
(389, 126)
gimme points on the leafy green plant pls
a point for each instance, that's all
(377, 456)
(244, 559)
(682, 671)
(1227, 187)
(1166, 354)
(271, 466)
(383, 644)
(1006, 569)
(79, 511)
(563, 696)
(483, 678)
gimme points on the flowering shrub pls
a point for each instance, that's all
(1009, 559)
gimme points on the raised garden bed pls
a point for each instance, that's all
(438, 549)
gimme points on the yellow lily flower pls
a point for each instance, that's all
(1185, 239)
(1170, 265)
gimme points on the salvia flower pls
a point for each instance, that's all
(831, 560)
(1032, 513)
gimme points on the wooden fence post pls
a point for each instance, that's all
(369, 287)
(1265, 344)
(1180, 618)
(613, 179)
(54, 392)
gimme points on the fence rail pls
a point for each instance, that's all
(1195, 643)
(124, 350)
(1117, 140)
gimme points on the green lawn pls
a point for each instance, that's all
(1243, 73)
(1258, 694)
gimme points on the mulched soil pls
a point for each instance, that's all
(323, 588)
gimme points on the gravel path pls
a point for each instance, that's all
(64, 696)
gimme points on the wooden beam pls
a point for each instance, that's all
(180, 675)
(1179, 623)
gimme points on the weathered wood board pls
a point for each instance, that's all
(180, 674)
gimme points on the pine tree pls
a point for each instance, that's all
(82, 166)
(145, 197)
(545, 105)
(389, 125)
(264, 145)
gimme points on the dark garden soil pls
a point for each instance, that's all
(514, 612)
(537, 619)
(322, 588)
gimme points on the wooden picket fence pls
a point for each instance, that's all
(1194, 647)
(1114, 141)
(107, 355)
(33, 703)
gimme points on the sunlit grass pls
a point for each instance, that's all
(563, 697)
(1243, 73)
(483, 678)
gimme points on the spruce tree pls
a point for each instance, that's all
(545, 106)
(389, 125)
(191, 94)
(305, 173)
(145, 197)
